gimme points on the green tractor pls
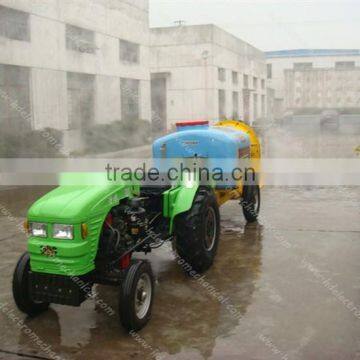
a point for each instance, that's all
(81, 235)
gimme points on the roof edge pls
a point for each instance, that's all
(311, 53)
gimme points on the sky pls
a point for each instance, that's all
(268, 24)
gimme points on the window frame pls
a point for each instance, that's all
(87, 86)
(235, 78)
(128, 114)
(301, 66)
(269, 71)
(345, 65)
(246, 81)
(9, 26)
(12, 94)
(221, 74)
(74, 42)
(255, 82)
(222, 104)
(135, 59)
(235, 95)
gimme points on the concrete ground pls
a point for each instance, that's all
(290, 284)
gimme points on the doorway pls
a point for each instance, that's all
(159, 103)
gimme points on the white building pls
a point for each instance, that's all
(313, 90)
(305, 79)
(71, 64)
(203, 72)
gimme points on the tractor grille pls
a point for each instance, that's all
(59, 289)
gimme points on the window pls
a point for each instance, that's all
(222, 74)
(159, 102)
(255, 82)
(130, 96)
(255, 106)
(263, 106)
(263, 84)
(14, 24)
(235, 77)
(81, 100)
(246, 81)
(222, 104)
(303, 66)
(15, 105)
(269, 71)
(345, 65)
(81, 40)
(235, 98)
(129, 52)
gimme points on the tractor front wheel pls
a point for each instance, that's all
(197, 232)
(136, 296)
(21, 291)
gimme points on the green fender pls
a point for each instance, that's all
(179, 200)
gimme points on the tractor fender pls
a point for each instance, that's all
(177, 201)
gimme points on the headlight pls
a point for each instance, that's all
(61, 231)
(38, 229)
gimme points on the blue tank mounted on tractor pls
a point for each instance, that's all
(198, 139)
(222, 146)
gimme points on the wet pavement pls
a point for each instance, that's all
(290, 284)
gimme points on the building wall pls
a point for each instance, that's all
(279, 65)
(191, 56)
(49, 60)
(233, 54)
(323, 61)
(323, 89)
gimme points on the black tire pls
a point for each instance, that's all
(197, 232)
(251, 202)
(20, 287)
(130, 319)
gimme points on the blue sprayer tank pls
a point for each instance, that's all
(221, 146)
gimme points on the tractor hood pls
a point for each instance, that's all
(74, 204)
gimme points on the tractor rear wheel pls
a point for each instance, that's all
(197, 232)
(21, 291)
(251, 202)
